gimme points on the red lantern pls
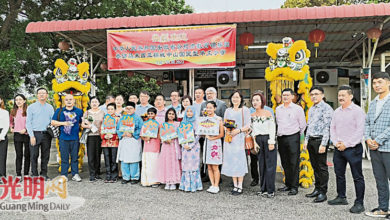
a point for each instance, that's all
(63, 45)
(374, 34)
(246, 39)
(147, 78)
(316, 37)
(103, 66)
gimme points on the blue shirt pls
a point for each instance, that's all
(252, 110)
(140, 110)
(69, 133)
(38, 117)
(177, 108)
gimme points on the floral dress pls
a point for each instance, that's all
(190, 178)
(213, 152)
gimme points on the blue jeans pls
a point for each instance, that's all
(72, 148)
(130, 171)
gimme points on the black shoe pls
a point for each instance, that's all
(315, 193)
(46, 178)
(254, 183)
(238, 192)
(124, 181)
(293, 192)
(92, 179)
(98, 177)
(134, 181)
(387, 216)
(320, 198)
(284, 189)
(338, 201)
(357, 208)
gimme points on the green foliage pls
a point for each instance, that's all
(312, 3)
(124, 85)
(9, 73)
(29, 58)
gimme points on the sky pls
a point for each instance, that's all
(232, 5)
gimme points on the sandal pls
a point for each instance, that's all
(239, 191)
(234, 190)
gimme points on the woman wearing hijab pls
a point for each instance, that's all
(190, 162)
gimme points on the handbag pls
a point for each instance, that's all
(256, 148)
(84, 134)
(54, 131)
(249, 143)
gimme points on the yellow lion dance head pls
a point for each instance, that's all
(289, 63)
(71, 78)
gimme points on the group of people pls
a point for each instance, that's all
(116, 129)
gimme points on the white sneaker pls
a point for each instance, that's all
(76, 178)
(215, 190)
(167, 186)
(63, 179)
(210, 189)
(172, 187)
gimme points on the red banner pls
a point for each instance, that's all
(172, 48)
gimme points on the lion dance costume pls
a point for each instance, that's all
(71, 78)
(288, 65)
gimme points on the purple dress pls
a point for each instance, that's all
(190, 163)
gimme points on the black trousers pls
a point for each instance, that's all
(110, 162)
(3, 157)
(318, 162)
(99, 159)
(353, 156)
(381, 167)
(267, 164)
(44, 142)
(289, 151)
(254, 167)
(93, 146)
(22, 148)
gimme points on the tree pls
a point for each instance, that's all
(29, 58)
(124, 85)
(312, 3)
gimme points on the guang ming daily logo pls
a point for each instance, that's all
(34, 194)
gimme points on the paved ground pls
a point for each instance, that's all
(119, 201)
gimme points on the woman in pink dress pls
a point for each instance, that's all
(150, 155)
(169, 160)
